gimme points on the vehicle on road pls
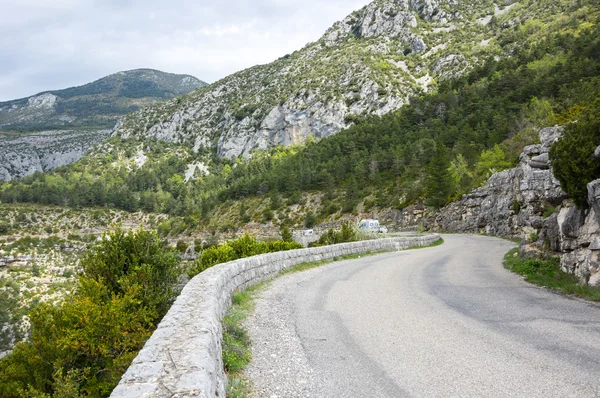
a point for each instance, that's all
(369, 225)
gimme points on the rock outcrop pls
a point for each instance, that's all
(22, 156)
(527, 202)
(370, 63)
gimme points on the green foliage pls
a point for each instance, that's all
(533, 237)
(236, 354)
(548, 211)
(286, 234)
(125, 260)
(439, 183)
(4, 228)
(310, 220)
(181, 246)
(516, 206)
(84, 344)
(462, 176)
(236, 343)
(546, 272)
(332, 237)
(491, 161)
(572, 156)
(244, 246)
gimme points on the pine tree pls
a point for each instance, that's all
(439, 180)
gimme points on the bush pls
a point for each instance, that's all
(245, 246)
(310, 220)
(4, 228)
(286, 234)
(332, 237)
(181, 246)
(516, 207)
(88, 341)
(572, 156)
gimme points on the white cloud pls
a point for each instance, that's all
(52, 44)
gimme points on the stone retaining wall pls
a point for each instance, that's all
(183, 356)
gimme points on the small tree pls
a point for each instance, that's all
(491, 161)
(439, 181)
(572, 156)
(310, 220)
(286, 234)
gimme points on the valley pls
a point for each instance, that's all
(474, 117)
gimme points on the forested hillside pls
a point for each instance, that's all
(432, 150)
(400, 143)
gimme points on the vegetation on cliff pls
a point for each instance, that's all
(482, 119)
(82, 346)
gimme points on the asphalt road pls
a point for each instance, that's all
(447, 321)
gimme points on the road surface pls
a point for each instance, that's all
(447, 321)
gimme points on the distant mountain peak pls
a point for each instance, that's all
(57, 127)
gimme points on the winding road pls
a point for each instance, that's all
(447, 321)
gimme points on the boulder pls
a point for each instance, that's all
(594, 197)
(540, 162)
(570, 221)
(549, 136)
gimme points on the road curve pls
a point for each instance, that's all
(447, 321)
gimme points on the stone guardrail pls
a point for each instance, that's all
(183, 356)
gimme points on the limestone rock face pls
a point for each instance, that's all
(594, 197)
(41, 152)
(512, 200)
(369, 63)
(528, 201)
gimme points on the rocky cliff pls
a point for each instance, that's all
(370, 63)
(21, 156)
(56, 128)
(527, 202)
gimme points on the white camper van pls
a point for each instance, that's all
(369, 225)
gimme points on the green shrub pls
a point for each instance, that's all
(4, 228)
(332, 237)
(83, 345)
(286, 234)
(310, 220)
(533, 237)
(516, 207)
(242, 247)
(236, 354)
(181, 246)
(545, 271)
(572, 156)
(548, 211)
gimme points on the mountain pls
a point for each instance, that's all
(371, 63)
(55, 128)
(434, 149)
(95, 105)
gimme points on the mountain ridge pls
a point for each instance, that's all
(371, 62)
(51, 108)
(57, 127)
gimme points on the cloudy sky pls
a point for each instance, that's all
(54, 44)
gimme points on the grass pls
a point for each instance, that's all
(236, 343)
(546, 272)
(434, 244)
(314, 264)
